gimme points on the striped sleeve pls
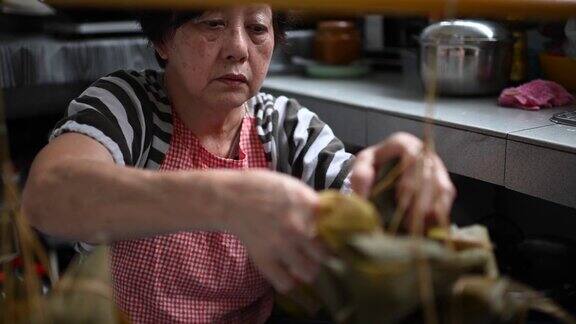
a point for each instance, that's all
(307, 147)
(112, 112)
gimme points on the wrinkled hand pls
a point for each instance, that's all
(272, 214)
(424, 189)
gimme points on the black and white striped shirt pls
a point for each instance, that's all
(129, 113)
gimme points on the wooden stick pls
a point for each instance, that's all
(387, 181)
(507, 9)
(397, 217)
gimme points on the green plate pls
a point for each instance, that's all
(337, 71)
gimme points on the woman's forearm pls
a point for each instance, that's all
(101, 202)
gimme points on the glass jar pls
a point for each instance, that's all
(337, 42)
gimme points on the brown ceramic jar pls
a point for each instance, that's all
(337, 42)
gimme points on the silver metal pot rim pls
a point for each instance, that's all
(463, 31)
(465, 42)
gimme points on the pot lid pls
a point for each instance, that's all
(461, 31)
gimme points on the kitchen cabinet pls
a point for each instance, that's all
(542, 162)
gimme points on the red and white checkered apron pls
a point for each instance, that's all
(193, 277)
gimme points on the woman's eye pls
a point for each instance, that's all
(259, 29)
(214, 24)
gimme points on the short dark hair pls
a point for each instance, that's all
(157, 25)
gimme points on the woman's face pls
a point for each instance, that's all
(221, 58)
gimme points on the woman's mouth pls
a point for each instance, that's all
(233, 79)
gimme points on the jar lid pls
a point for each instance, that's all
(464, 31)
(336, 25)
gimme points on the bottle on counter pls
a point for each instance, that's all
(337, 42)
(518, 71)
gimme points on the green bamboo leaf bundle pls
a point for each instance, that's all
(374, 277)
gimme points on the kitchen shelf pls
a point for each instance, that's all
(510, 9)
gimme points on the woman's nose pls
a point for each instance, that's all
(235, 47)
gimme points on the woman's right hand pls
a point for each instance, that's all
(272, 214)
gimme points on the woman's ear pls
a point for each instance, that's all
(160, 48)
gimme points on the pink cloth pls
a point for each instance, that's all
(535, 95)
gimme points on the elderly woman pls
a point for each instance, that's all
(229, 214)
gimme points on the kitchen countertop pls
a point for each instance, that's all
(557, 137)
(474, 136)
(388, 93)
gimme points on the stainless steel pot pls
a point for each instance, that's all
(473, 56)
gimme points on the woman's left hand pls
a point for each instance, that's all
(425, 191)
